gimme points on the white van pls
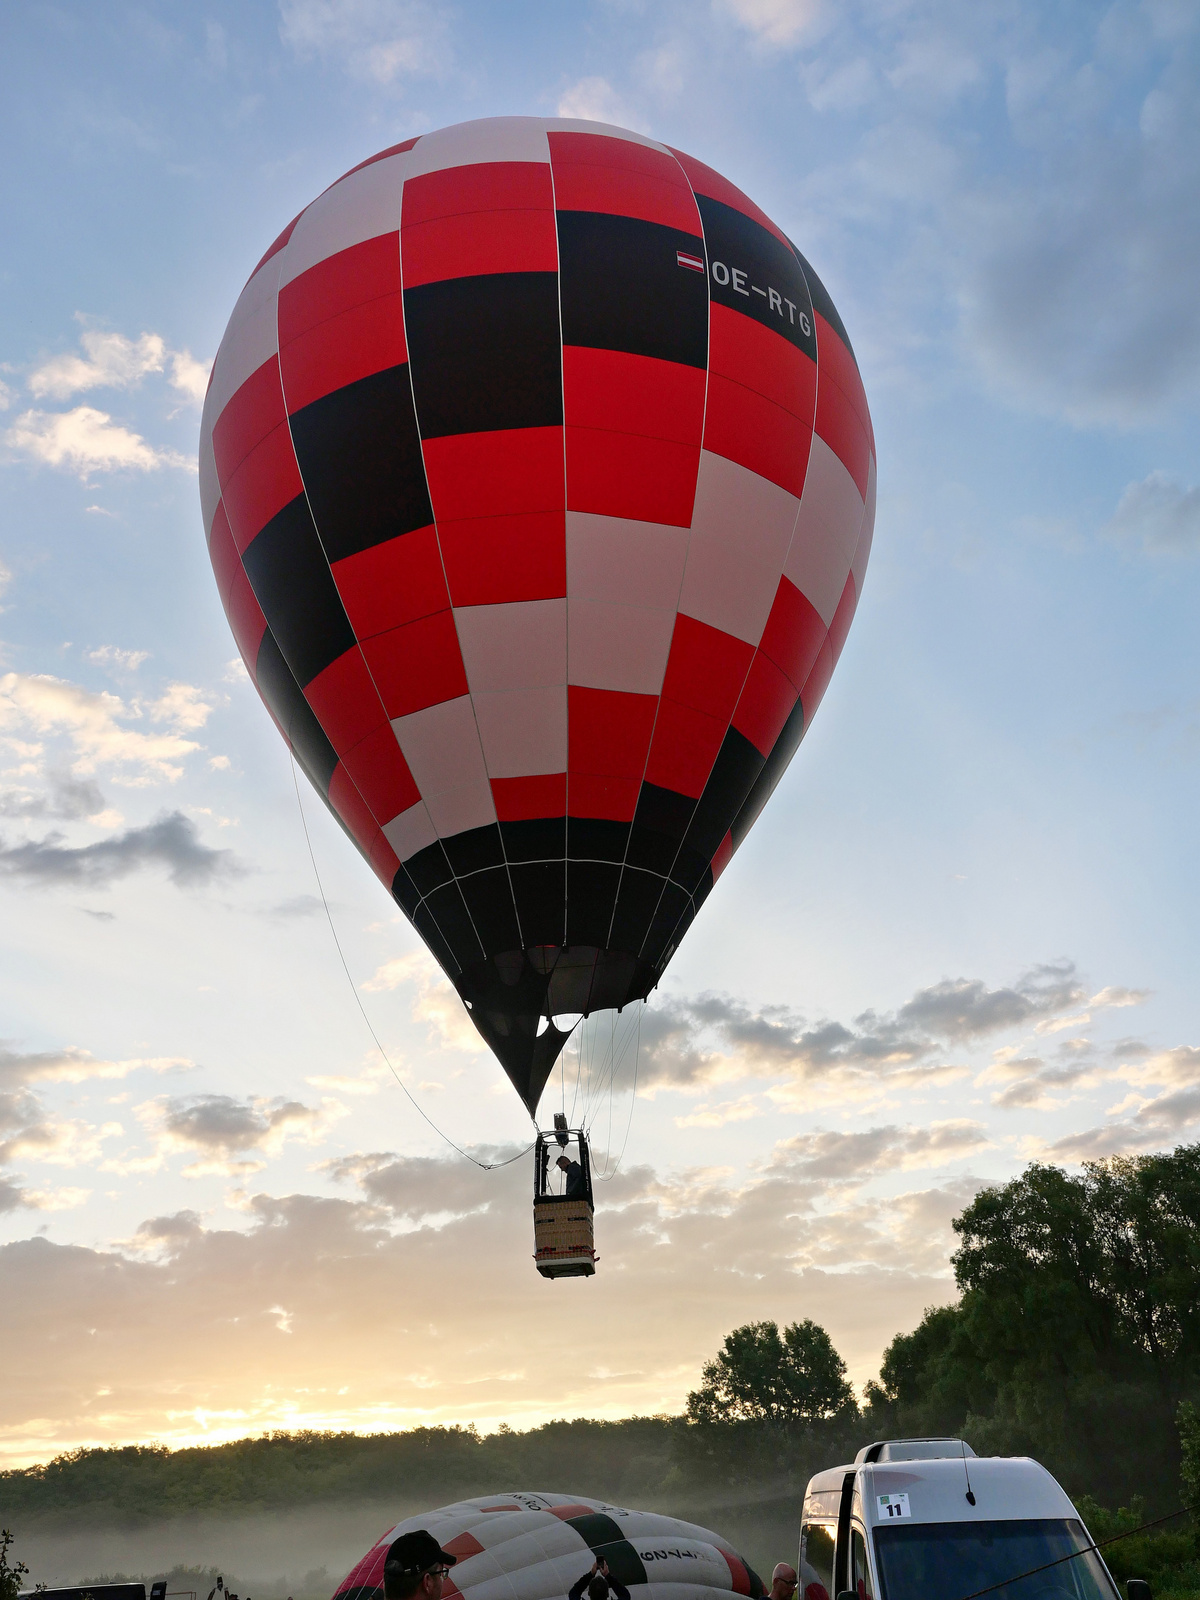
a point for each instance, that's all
(927, 1519)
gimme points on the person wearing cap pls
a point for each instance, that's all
(416, 1565)
(574, 1174)
(599, 1583)
(783, 1582)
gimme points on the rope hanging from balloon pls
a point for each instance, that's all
(485, 1166)
(595, 1084)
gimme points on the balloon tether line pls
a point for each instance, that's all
(486, 1166)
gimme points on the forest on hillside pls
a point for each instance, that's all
(1075, 1339)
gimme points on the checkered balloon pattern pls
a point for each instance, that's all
(536, 1547)
(539, 482)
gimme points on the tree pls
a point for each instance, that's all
(10, 1576)
(1078, 1326)
(1189, 1442)
(762, 1376)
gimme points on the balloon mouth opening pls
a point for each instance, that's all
(562, 1021)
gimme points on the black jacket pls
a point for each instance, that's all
(615, 1586)
(574, 1189)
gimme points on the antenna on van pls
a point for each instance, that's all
(966, 1473)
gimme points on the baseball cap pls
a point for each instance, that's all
(415, 1552)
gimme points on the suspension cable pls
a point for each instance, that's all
(485, 1166)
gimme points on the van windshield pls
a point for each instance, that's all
(951, 1560)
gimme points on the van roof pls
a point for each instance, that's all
(913, 1450)
(1006, 1488)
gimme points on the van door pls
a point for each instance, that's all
(860, 1572)
(816, 1560)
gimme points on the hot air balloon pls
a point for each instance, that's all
(539, 481)
(522, 1546)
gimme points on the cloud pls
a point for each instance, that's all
(777, 22)
(123, 661)
(379, 40)
(71, 799)
(963, 1009)
(60, 1143)
(30, 1134)
(721, 1113)
(695, 1043)
(85, 441)
(189, 376)
(436, 1002)
(94, 725)
(1157, 1119)
(73, 1065)
(171, 841)
(595, 100)
(182, 706)
(231, 1135)
(1159, 515)
(110, 361)
(855, 1157)
(425, 1288)
(1078, 295)
(423, 1188)
(1115, 996)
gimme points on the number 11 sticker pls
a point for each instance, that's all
(892, 1506)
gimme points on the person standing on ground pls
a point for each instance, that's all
(599, 1583)
(783, 1582)
(416, 1565)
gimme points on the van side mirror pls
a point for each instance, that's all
(1136, 1589)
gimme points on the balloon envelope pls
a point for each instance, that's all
(523, 1546)
(539, 482)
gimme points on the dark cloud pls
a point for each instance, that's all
(18, 1110)
(695, 1041)
(855, 1157)
(418, 1187)
(965, 1009)
(11, 1197)
(217, 1124)
(173, 1231)
(69, 798)
(684, 1041)
(171, 841)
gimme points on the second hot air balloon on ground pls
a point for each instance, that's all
(524, 1546)
(539, 483)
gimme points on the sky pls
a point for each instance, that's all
(961, 937)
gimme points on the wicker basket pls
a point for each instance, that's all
(563, 1238)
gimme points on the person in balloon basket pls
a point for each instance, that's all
(599, 1583)
(416, 1566)
(574, 1174)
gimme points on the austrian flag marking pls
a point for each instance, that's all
(691, 262)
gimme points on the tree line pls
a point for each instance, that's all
(1075, 1338)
